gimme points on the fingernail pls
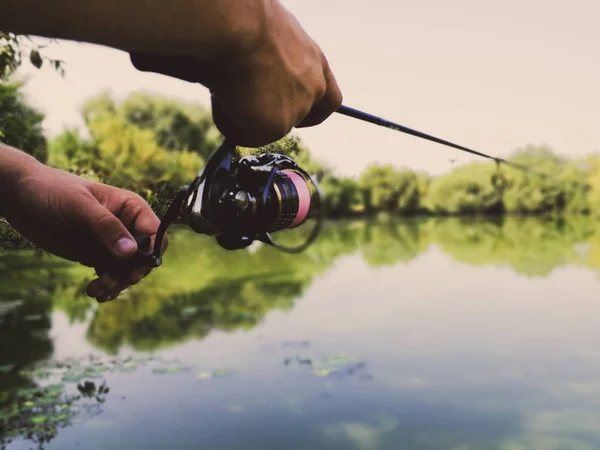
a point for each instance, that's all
(124, 245)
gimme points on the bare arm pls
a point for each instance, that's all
(13, 164)
(203, 28)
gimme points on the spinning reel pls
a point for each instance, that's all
(239, 201)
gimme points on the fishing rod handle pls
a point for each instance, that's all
(121, 269)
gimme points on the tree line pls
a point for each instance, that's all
(152, 145)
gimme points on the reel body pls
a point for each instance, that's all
(238, 201)
(245, 200)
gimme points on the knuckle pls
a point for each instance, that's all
(320, 88)
(303, 111)
(107, 221)
(272, 127)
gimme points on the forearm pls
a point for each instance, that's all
(203, 28)
(14, 165)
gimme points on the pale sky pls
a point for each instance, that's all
(492, 76)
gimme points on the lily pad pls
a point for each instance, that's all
(169, 370)
(214, 374)
(340, 359)
(25, 393)
(8, 413)
(323, 372)
(39, 419)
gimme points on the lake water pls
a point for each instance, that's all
(436, 334)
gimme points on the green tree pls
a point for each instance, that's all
(341, 196)
(560, 191)
(122, 154)
(176, 126)
(21, 124)
(385, 188)
(465, 190)
(13, 47)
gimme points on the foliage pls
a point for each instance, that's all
(466, 189)
(12, 50)
(20, 124)
(561, 191)
(11, 238)
(122, 154)
(341, 196)
(386, 189)
(176, 126)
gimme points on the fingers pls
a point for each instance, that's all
(248, 122)
(330, 103)
(106, 288)
(135, 215)
(184, 68)
(105, 225)
(255, 117)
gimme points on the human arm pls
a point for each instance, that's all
(265, 74)
(74, 218)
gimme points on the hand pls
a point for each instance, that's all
(276, 80)
(82, 221)
(265, 74)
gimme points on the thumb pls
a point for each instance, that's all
(109, 229)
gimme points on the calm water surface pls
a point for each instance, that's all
(403, 335)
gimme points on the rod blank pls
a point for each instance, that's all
(360, 115)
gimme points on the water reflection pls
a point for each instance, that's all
(470, 330)
(201, 288)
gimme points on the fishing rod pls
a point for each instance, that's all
(366, 117)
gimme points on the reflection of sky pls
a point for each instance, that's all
(459, 355)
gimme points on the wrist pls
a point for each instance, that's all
(15, 165)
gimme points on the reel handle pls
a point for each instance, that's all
(121, 269)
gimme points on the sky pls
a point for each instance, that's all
(492, 76)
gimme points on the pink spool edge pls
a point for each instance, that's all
(303, 196)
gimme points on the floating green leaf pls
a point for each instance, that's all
(169, 370)
(27, 392)
(39, 419)
(323, 372)
(8, 414)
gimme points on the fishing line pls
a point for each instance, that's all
(360, 115)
